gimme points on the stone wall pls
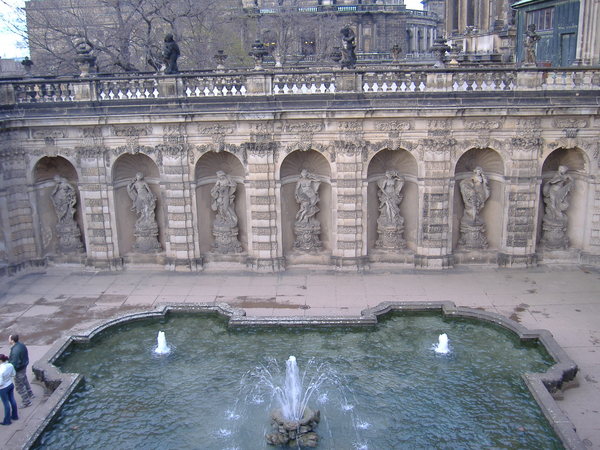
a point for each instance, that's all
(348, 142)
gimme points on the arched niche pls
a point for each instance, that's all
(406, 165)
(575, 160)
(289, 174)
(492, 213)
(205, 177)
(124, 171)
(44, 172)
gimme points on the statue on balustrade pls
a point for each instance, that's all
(531, 40)
(170, 54)
(144, 204)
(348, 46)
(554, 223)
(84, 58)
(225, 228)
(390, 224)
(474, 191)
(64, 199)
(307, 227)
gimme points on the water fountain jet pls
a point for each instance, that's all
(161, 344)
(442, 346)
(294, 422)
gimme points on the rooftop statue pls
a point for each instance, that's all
(348, 47)
(170, 54)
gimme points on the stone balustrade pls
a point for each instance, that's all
(132, 88)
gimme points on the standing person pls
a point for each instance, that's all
(19, 358)
(7, 390)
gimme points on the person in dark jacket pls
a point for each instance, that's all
(19, 358)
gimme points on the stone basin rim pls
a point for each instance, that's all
(540, 384)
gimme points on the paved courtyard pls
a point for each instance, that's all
(44, 306)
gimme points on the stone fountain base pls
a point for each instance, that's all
(295, 433)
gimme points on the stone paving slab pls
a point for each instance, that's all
(565, 300)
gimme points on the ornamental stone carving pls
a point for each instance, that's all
(474, 191)
(144, 204)
(307, 227)
(390, 224)
(64, 199)
(554, 223)
(225, 228)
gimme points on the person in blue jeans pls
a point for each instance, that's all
(7, 390)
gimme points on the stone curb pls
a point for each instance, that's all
(541, 385)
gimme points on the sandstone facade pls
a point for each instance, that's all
(347, 128)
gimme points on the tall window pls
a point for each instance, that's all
(542, 18)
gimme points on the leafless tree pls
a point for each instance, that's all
(124, 33)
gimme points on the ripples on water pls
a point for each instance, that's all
(396, 392)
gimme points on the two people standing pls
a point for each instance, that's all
(14, 367)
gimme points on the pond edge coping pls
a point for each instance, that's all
(541, 385)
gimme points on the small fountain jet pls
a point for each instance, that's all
(442, 346)
(161, 344)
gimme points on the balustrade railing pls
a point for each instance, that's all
(398, 81)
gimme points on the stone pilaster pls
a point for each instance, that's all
(20, 231)
(349, 250)
(179, 237)
(98, 210)
(265, 251)
(592, 255)
(434, 237)
(521, 209)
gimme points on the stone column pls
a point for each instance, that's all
(588, 38)
(179, 236)
(434, 237)
(265, 250)
(98, 209)
(349, 249)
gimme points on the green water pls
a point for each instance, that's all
(392, 390)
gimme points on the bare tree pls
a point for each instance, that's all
(124, 33)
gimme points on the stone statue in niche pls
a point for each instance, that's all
(64, 199)
(307, 228)
(390, 224)
(144, 204)
(225, 228)
(474, 191)
(531, 40)
(554, 223)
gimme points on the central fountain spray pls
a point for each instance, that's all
(294, 422)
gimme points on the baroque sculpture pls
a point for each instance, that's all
(531, 40)
(474, 191)
(348, 46)
(225, 228)
(85, 59)
(64, 199)
(554, 223)
(144, 204)
(390, 224)
(170, 54)
(307, 227)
